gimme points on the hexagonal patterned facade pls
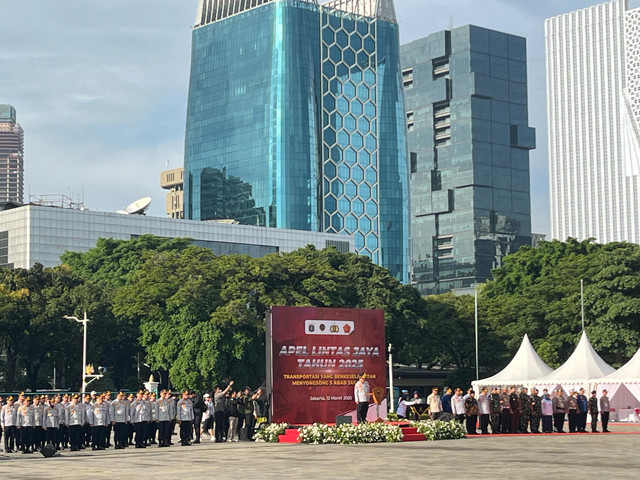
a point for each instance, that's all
(296, 111)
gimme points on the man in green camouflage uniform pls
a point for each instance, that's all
(525, 411)
(494, 405)
(536, 410)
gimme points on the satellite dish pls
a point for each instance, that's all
(139, 207)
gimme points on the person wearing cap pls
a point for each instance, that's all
(505, 411)
(525, 410)
(219, 404)
(75, 418)
(26, 422)
(138, 414)
(9, 422)
(559, 410)
(152, 427)
(99, 419)
(605, 408)
(184, 418)
(50, 422)
(38, 432)
(593, 411)
(582, 409)
(130, 428)
(63, 433)
(119, 415)
(536, 410)
(514, 403)
(494, 408)
(85, 435)
(165, 415)
(572, 405)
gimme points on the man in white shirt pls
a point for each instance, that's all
(361, 397)
(484, 410)
(457, 406)
(435, 404)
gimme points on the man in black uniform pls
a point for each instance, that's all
(514, 403)
(593, 411)
(198, 408)
(494, 405)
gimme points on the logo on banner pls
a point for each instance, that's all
(328, 327)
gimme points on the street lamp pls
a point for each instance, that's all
(84, 351)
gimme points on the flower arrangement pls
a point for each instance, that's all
(440, 430)
(269, 432)
(347, 433)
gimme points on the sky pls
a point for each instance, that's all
(101, 88)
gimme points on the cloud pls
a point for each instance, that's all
(101, 86)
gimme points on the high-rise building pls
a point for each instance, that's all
(593, 99)
(11, 156)
(296, 120)
(173, 180)
(469, 143)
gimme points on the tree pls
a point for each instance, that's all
(537, 291)
(201, 316)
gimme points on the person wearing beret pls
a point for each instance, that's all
(26, 422)
(38, 413)
(593, 411)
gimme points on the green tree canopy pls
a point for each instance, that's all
(537, 291)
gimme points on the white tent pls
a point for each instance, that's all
(623, 389)
(581, 370)
(525, 366)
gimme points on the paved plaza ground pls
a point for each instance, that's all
(613, 456)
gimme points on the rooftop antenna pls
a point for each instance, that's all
(451, 21)
(166, 163)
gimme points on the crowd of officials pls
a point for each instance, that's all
(511, 410)
(98, 421)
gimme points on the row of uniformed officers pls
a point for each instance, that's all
(29, 424)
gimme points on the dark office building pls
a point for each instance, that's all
(469, 142)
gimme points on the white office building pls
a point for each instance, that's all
(593, 98)
(41, 234)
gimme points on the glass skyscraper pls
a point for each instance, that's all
(296, 120)
(469, 142)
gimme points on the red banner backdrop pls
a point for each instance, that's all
(314, 356)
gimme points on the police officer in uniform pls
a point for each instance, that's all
(99, 419)
(75, 418)
(536, 410)
(86, 428)
(26, 422)
(152, 427)
(593, 411)
(9, 422)
(138, 414)
(494, 408)
(525, 410)
(184, 418)
(165, 414)
(505, 411)
(50, 422)
(120, 418)
(38, 432)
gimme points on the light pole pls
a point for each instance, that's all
(84, 321)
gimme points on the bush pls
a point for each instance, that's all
(269, 432)
(392, 417)
(319, 433)
(440, 430)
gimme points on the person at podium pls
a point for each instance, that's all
(361, 394)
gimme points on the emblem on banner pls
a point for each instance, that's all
(329, 327)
